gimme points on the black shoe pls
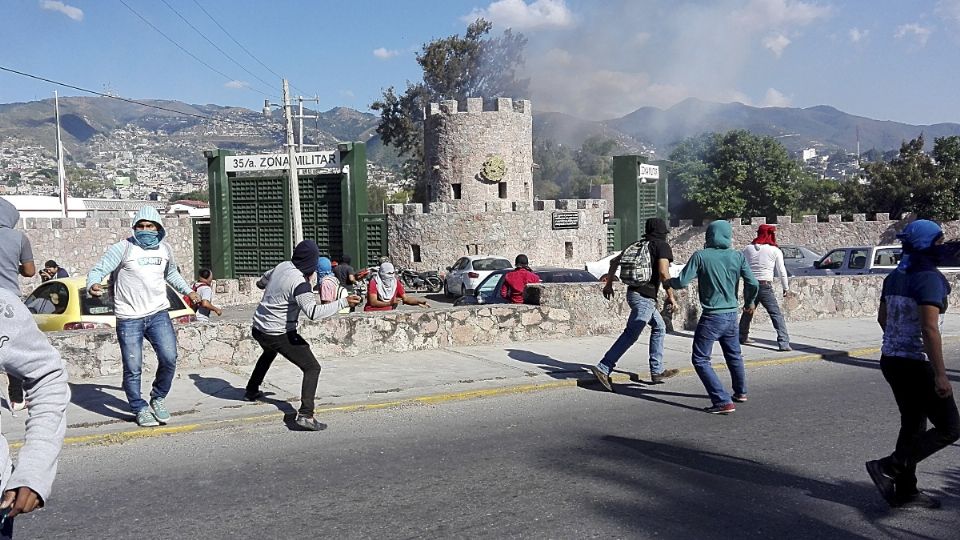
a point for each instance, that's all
(785, 348)
(746, 341)
(720, 409)
(252, 396)
(883, 480)
(917, 500)
(658, 378)
(602, 377)
(310, 424)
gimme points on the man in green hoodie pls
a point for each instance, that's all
(718, 268)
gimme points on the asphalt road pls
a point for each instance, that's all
(572, 463)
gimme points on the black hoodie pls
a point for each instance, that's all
(655, 232)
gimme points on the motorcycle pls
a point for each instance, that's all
(416, 281)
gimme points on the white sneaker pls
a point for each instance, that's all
(17, 406)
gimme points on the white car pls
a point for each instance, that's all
(599, 268)
(465, 274)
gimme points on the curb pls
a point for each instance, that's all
(430, 399)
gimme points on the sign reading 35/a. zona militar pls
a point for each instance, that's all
(327, 159)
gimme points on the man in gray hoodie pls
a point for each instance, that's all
(16, 258)
(140, 268)
(26, 354)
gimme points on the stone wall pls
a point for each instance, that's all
(495, 228)
(78, 243)
(565, 311)
(460, 137)
(819, 236)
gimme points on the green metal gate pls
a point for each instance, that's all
(321, 213)
(259, 223)
(613, 235)
(373, 237)
(201, 245)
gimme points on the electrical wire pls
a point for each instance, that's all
(135, 102)
(229, 35)
(215, 46)
(182, 48)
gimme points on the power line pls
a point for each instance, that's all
(217, 47)
(229, 35)
(135, 102)
(182, 48)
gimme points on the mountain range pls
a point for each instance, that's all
(648, 129)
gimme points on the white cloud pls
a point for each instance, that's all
(348, 94)
(520, 15)
(759, 14)
(74, 13)
(918, 32)
(776, 43)
(949, 9)
(236, 85)
(857, 35)
(384, 53)
(775, 98)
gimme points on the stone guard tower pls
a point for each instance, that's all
(479, 152)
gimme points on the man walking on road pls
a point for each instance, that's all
(764, 257)
(718, 269)
(288, 293)
(642, 299)
(140, 268)
(913, 299)
(26, 354)
(16, 259)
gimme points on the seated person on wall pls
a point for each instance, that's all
(385, 291)
(328, 286)
(517, 280)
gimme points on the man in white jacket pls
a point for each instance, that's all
(764, 257)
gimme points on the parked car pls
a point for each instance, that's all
(798, 257)
(465, 274)
(63, 304)
(488, 291)
(855, 260)
(599, 268)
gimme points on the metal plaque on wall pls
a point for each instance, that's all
(566, 219)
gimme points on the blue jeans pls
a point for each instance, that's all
(643, 311)
(158, 330)
(711, 328)
(767, 299)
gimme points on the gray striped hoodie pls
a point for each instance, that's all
(286, 295)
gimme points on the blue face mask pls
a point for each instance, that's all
(147, 239)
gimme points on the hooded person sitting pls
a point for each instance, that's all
(385, 292)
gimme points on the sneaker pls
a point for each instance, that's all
(252, 396)
(658, 378)
(310, 424)
(17, 405)
(883, 480)
(785, 348)
(917, 500)
(720, 409)
(602, 377)
(740, 398)
(145, 418)
(160, 410)
(746, 341)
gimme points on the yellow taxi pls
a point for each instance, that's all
(63, 304)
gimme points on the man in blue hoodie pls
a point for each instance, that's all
(140, 267)
(718, 269)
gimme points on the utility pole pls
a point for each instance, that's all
(292, 156)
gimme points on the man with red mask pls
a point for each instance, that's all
(764, 257)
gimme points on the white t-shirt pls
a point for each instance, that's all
(763, 260)
(206, 293)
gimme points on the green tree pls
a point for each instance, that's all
(200, 195)
(455, 67)
(736, 174)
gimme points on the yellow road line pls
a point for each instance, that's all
(433, 399)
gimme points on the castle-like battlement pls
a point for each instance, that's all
(412, 209)
(481, 105)
(806, 219)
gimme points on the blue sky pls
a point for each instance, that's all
(890, 60)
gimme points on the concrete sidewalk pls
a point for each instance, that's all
(208, 396)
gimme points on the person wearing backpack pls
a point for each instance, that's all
(204, 288)
(718, 269)
(140, 268)
(644, 265)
